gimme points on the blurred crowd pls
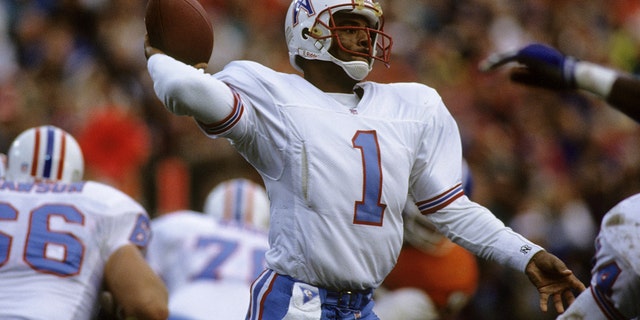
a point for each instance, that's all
(549, 165)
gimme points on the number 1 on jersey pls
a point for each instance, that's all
(369, 211)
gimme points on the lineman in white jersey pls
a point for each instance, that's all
(614, 292)
(64, 240)
(209, 260)
(339, 158)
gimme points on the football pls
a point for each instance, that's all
(180, 28)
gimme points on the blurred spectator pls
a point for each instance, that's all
(116, 145)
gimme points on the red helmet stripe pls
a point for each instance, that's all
(228, 203)
(63, 144)
(36, 150)
(248, 210)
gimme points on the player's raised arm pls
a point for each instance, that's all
(186, 90)
(545, 67)
(179, 41)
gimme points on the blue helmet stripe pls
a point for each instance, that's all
(48, 158)
(238, 201)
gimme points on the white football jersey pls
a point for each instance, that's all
(338, 177)
(190, 247)
(614, 291)
(54, 242)
(203, 300)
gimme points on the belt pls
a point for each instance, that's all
(349, 298)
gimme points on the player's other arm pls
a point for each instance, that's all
(545, 67)
(476, 229)
(188, 90)
(136, 289)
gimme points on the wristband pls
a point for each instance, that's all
(594, 78)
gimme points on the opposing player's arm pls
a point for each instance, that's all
(625, 96)
(545, 67)
(135, 288)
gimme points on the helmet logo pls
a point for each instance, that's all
(361, 4)
(304, 5)
(307, 54)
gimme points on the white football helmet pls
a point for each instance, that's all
(309, 30)
(239, 201)
(45, 153)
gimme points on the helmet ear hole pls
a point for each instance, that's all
(305, 33)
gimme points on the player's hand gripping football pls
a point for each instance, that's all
(150, 50)
(553, 280)
(540, 66)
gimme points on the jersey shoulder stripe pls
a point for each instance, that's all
(227, 123)
(440, 201)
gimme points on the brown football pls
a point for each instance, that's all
(181, 29)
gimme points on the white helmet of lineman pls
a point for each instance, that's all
(309, 30)
(45, 153)
(240, 201)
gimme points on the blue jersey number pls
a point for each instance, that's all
(40, 238)
(369, 211)
(225, 249)
(7, 213)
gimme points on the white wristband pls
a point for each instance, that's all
(594, 78)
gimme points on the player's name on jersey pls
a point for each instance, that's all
(42, 187)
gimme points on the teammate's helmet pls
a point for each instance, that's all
(45, 153)
(239, 201)
(309, 33)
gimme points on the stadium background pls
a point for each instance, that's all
(549, 165)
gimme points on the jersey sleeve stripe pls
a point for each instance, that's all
(440, 201)
(227, 123)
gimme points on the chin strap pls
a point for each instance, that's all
(357, 70)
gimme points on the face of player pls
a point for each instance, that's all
(352, 40)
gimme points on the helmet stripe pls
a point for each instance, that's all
(36, 151)
(228, 203)
(248, 216)
(239, 200)
(48, 157)
(63, 146)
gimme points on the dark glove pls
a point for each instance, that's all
(540, 66)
